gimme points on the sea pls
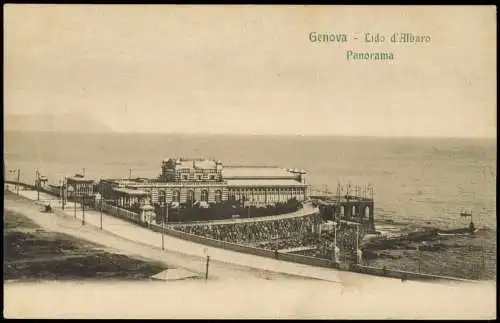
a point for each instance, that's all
(417, 181)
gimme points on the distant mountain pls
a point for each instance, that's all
(55, 123)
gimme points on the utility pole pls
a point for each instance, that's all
(101, 210)
(83, 172)
(149, 219)
(162, 211)
(206, 270)
(37, 185)
(166, 218)
(419, 255)
(18, 176)
(65, 191)
(74, 203)
(358, 251)
(130, 173)
(483, 258)
(83, 209)
(61, 192)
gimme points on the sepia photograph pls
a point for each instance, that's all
(249, 161)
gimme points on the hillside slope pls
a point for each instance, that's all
(58, 123)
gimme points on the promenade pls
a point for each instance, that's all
(153, 239)
(144, 236)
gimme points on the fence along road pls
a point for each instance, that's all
(148, 237)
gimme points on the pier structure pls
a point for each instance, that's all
(350, 203)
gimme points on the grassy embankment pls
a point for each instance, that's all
(31, 253)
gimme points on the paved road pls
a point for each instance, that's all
(117, 244)
(149, 238)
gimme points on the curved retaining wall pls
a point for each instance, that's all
(305, 260)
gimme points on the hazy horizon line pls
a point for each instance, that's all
(118, 132)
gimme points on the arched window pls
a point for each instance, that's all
(190, 196)
(176, 196)
(218, 196)
(162, 196)
(204, 196)
(367, 212)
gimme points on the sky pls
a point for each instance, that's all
(253, 69)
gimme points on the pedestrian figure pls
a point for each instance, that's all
(276, 253)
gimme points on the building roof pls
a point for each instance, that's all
(264, 182)
(78, 179)
(196, 163)
(127, 181)
(205, 164)
(255, 172)
(129, 191)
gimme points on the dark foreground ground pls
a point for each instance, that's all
(31, 253)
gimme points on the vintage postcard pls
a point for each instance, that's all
(242, 162)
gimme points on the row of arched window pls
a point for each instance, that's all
(176, 196)
(364, 212)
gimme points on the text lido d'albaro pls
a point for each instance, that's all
(374, 38)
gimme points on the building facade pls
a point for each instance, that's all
(78, 186)
(185, 181)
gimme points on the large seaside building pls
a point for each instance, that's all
(185, 181)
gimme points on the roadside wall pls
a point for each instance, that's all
(399, 274)
(121, 213)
